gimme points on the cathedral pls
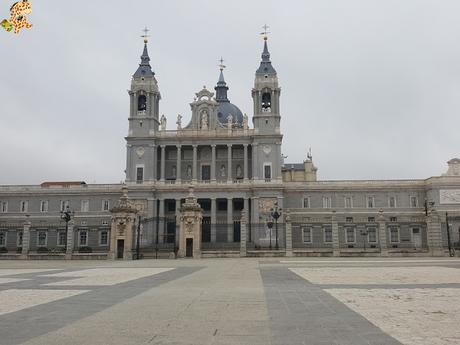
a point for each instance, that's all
(227, 168)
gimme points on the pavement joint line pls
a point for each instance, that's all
(364, 261)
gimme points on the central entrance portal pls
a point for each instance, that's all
(189, 248)
(120, 248)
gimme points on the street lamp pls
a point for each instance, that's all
(270, 226)
(364, 234)
(138, 238)
(66, 216)
(275, 214)
(451, 250)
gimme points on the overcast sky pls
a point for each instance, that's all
(372, 86)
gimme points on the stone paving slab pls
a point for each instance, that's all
(414, 317)
(301, 313)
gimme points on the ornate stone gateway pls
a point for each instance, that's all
(122, 230)
(191, 216)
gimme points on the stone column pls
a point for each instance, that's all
(163, 162)
(213, 163)
(255, 162)
(335, 235)
(255, 210)
(229, 163)
(195, 159)
(213, 220)
(245, 169)
(243, 236)
(70, 238)
(434, 234)
(230, 220)
(287, 218)
(154, 154)
(26, 238)
(178, 164)
(382, 234)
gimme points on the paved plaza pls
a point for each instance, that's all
(327, 301)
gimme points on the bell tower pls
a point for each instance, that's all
(144, 99)
(266, 94)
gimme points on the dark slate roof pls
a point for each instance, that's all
(295, 166)
(265, 65)
(144, 68)
(225, 107)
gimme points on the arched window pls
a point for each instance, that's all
(266, 101)
(142, 102)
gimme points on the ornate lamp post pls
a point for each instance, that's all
(138, 237)
(66, 216)
(276, 214)
(451, 250)
(270, 226)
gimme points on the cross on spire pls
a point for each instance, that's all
(221, 65)
(265, 32)
(145, 36)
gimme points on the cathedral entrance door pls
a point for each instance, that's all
(189, 248)
(120, 248)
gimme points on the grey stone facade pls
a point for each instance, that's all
(233, 168)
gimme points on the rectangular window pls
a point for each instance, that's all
(370, 202)
(413, 201)
(19, 236)
(372, 235)
(65, 204)
(42, 237)
(327, 235)
(351, 235)
(392, 202)
(85, 205)
(83, 238)
(2, 238)
(104, 238)
(306, 202)
(348, 202)
(139, 174)
(44, 206)
(3, 206)
(326, 202)
(62, 238)
(105, 205)
(394, 235)
(267, 171)
(349, 219)
(306, 233)
(105, 222)
(371, 219)
(393, 219)
(23, 206)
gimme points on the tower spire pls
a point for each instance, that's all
(221, 88)
(265, 67)
(144, 68)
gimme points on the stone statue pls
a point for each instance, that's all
(239, 173)
(163, 122)
(204, 119)
(229, 121)
(245, 121)
(189, 172)
(222, 170)
(179, 122)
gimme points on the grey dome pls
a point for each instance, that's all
(225, 109)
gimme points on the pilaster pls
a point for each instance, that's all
(382, 234)
(335, 235)
(26, 237)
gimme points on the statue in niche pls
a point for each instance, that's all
(173, 171)
(163, 122)
(189, 172)
(222, 170)
(245, 121)
(229, 121)
(179, 122)
(204, 119)
(239, 172)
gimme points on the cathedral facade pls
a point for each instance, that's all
(252, 202)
